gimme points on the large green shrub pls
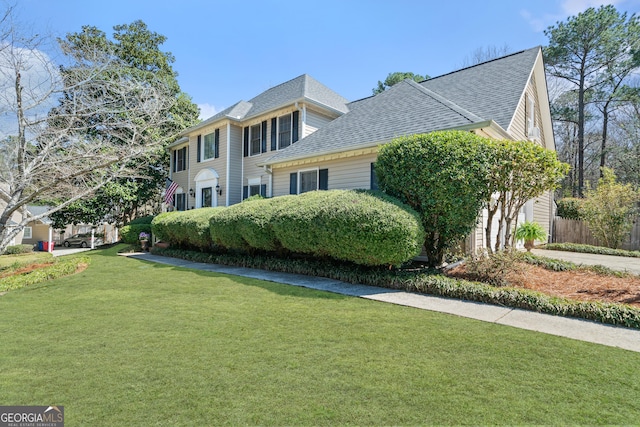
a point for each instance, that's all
(18, 249)
(360, 227)
(609, 210)
(131, 233)
(570, 208)
(443, 176)
(189, 229)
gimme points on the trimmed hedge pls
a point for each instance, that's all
(570, 208)
(358, 226)
(187, 229)
(362, 227)
(589, 249)
(18, 249)
(131, 233)
(248, 225)
(61, 267)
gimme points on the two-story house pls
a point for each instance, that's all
(219, 162)
(301, 136)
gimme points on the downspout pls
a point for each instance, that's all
(189, 174)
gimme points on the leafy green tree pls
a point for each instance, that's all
(588, 51)
(444, 177)
(73, 129)
(139, 50)
(397, 77)
(519, 171)
(609, 209)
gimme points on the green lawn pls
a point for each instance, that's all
(133, 343)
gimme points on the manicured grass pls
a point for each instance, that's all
(7, 261)
(133, 343)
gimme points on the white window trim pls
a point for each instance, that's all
(252, 182)
(301, 171)
(202, 156)
(28, 235)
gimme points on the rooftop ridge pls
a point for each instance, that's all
(446, 102)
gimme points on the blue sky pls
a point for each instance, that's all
(228, 51)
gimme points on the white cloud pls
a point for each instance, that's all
(206, 111)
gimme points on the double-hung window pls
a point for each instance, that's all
(27, 233)
(284, 131)
(256, 140)
(209, 146)
(180, 159)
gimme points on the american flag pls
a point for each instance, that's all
(171, 189)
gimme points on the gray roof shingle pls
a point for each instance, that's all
(406, 108)
(477, 94)
(301, 88)
(492, 89)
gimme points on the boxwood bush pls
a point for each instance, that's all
(358, 226)
(187, 229)
(248, 225)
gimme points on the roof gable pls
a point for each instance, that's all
(301, 88)
(491, 89)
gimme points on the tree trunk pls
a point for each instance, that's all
(581, 131)
(603, 146)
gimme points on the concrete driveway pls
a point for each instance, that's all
(618, 263)
(68, 251)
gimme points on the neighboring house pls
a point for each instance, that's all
(217, 162)
(13, 221)
(505, 98)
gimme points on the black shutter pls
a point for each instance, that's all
(263, 190)
(323, 179)
(174, 153)
(245, 192)
(199, 148)
(216, 144)
(264, 136)
(246, 142)
(293, 183)
(294, 125)
(274, 134)
(374, 178)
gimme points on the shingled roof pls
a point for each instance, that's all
(491, 89)
(472, 96)
(299, 89)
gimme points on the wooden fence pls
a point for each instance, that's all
(573, 231)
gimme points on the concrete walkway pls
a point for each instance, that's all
(619, 263)
(625, 338)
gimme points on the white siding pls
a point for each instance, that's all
(315, 120)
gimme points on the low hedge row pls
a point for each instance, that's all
(358, 226)
(588, 249)
(18, 249)
(61, 267)
(429, 282)
(186, 229)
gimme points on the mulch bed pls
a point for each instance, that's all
(576, 285)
